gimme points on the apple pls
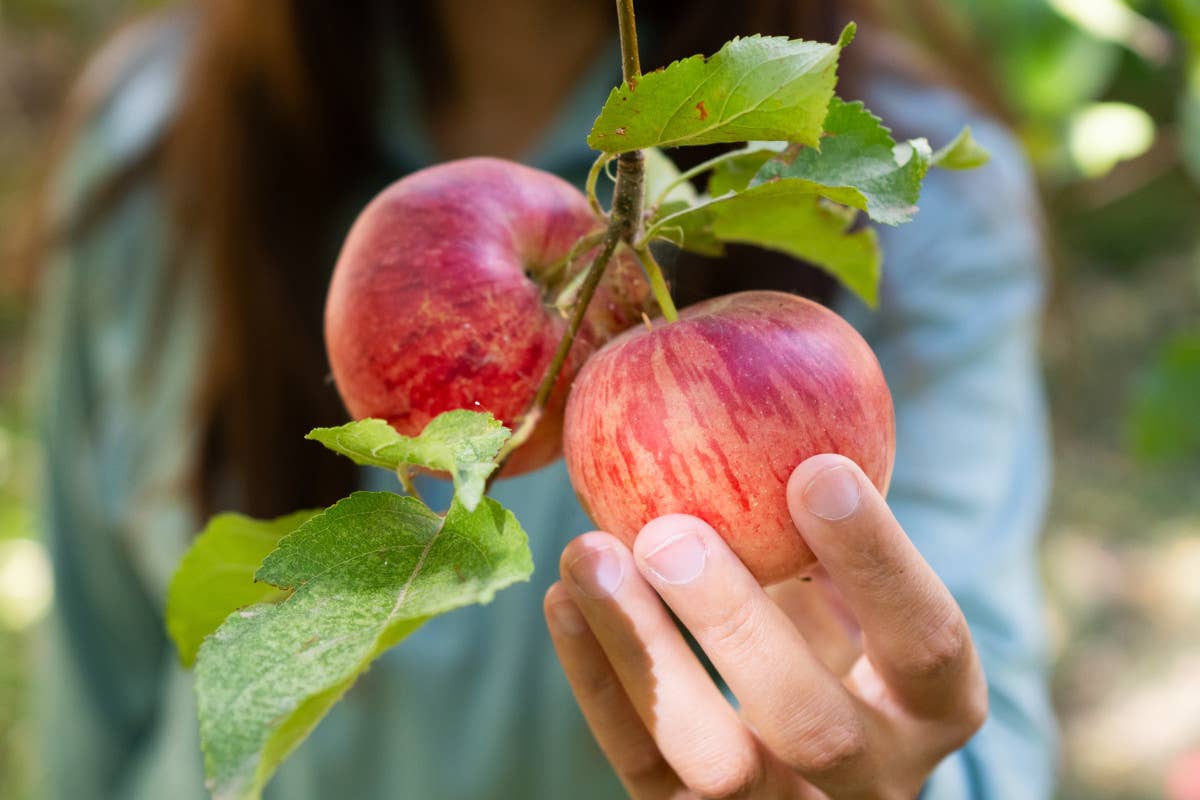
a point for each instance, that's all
(442, 298)
(709, 416)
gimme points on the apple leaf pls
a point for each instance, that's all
(962, 153)
(462, 443)
(216, 576)
(781, 195)
(363, 574)
(663, 176)
(858, 165)
(757, 87)
(787, 215)
(734, 171)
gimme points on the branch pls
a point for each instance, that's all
(631, 65)
(624, 225)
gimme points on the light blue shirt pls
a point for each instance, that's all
(475, 705)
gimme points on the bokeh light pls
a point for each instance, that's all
(26, 583)
(1104, 134)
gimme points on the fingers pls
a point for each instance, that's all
(799, 709)
(814, 606)
(610, 715)
(696, 730)
(914, 633)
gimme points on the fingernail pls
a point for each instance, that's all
(567, 618)
(833, 494)
(597, 572)
(679, 559)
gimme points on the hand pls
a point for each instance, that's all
(825, 712)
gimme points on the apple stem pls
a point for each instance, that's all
(624, 225)
(658, 283)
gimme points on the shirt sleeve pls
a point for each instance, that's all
(119, 332)
(956, 333)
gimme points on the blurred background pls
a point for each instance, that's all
(1105, 94)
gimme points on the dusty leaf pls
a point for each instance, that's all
(362, 575)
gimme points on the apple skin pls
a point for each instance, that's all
(710, 415)
(442, 299)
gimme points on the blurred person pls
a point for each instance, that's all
(214, 158)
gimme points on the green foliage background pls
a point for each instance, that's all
(1123, 545)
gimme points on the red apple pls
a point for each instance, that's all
(442, 298)
(709, 415)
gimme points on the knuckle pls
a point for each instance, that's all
(733, 628)
(600, 685)
(942, 651)
(972, 714)
(730, 779)
(644, 765)
(890, 792)
(840, 748)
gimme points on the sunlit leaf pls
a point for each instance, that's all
(858, 165)
(216, 576)
(790, 217)
(962, 153)
(758, 87)
(462, 443)
(363, 575)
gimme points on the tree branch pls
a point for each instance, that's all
(624, 225)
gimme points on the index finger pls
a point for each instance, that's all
(914, 633)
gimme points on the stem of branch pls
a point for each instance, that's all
(631, 65)
(624, 225)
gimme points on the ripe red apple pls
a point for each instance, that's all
(442, 298)
(709, 415)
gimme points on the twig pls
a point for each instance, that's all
(624, 225)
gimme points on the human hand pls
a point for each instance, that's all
(825, 712)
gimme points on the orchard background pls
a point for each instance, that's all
(1106, 97)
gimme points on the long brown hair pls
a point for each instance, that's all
(271, 147)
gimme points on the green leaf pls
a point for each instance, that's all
(788, 216)
(366, 573)
(962, 153)
(1185, 19)
(734, 171)
(216, 576)
(1189, 121)
(661, 173)
(1164, 424)
(758, 87)
(463, 443)
(858, 165)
